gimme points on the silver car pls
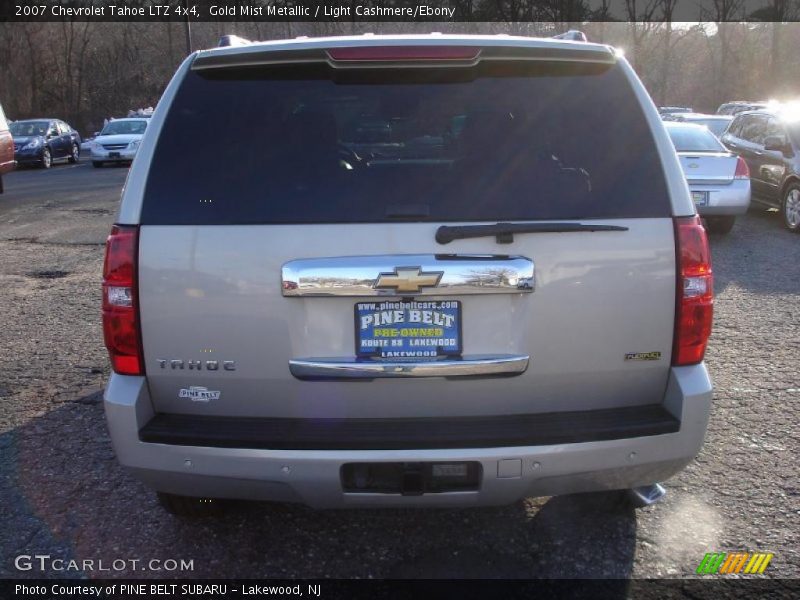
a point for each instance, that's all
(719, 180)
(119, 141)
(423, 285)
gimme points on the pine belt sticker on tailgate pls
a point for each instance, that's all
(198, 393)
(643, 356)
(408, 329)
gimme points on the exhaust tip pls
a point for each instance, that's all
(646, 495)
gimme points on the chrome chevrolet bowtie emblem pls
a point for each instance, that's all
(408, 280)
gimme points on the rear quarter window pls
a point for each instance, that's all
(524, 141)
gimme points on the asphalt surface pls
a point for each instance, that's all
(62, 493)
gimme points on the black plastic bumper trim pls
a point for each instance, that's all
(409, 433)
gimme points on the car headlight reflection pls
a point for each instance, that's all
(32, 144)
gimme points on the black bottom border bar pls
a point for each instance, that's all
(220, 589)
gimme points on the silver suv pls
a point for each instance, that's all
(405, 270)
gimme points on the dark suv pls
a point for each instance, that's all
(769, 141)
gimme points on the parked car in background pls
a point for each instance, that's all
(717, 124)
(769, 141)
(118, 141)
(718, 179)
(7, 162)
(737, 106)
(304, 322)
(45, 141)
(667, 110)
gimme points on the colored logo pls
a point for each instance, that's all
(734, 562)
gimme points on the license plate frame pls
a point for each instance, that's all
(700, 198)
(407, 349)
(113, 155)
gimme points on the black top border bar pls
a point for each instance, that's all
(571, 12)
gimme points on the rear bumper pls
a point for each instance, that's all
(731, 199)
(313, 476)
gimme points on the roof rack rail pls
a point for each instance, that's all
(232, 40)
(573, 35)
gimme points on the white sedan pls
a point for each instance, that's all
(718, 180)
(118, 141)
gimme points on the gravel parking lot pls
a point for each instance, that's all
(63, 494)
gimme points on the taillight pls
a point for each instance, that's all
(742, 170)
(695, 302)
(401, 53)
(120, 301)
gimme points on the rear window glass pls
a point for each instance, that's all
(124, 127)
(29, 128)
(314, 145)
(694, 139)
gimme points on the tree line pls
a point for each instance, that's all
(84, 72)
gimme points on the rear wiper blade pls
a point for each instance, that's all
(504, 232)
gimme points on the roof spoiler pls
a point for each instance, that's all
(573, 35)
(232, 40)
(350, 53)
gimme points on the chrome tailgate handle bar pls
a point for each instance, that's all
(408, 275)
(468, 366)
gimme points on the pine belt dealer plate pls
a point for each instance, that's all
(700, 198)
(408, 329)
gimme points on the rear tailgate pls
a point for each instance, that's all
(296, 172)
(214, 293)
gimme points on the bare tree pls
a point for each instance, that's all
(84, 72)
(778, 12)
(640, 14)
(723, 11)
(670, 39)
